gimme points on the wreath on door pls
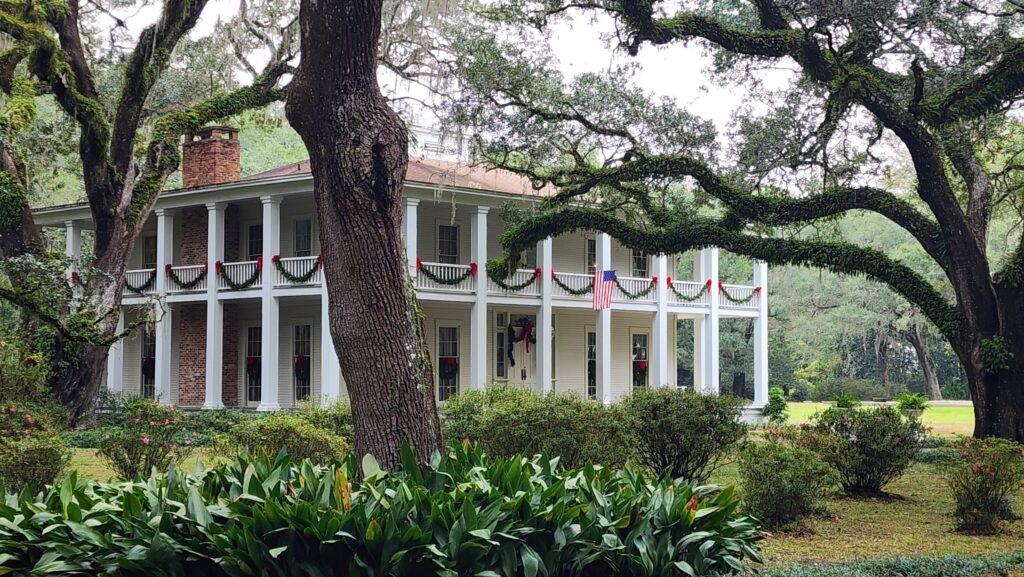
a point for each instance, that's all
(252, 368)
(148, 367)
(525, 333)
(301, 367)
(449, 368)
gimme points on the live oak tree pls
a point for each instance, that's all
(358, 149)
(129, 134)
(869, 80)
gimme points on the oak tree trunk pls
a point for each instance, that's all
(931, 377)
(358, 150)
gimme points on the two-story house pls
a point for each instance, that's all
(231, 267)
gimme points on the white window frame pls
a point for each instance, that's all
(458, 241)
(587, 331)
(243, 350)
(447, 324)
(530, 258)
(499, 332)
(647, 348)
(312, 349)
(640, 273)
(146, 239)
(295, 235)
(247, 232)
(589, 264)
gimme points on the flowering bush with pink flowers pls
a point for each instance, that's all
(31, 451)
(148, 436)
(984, 476)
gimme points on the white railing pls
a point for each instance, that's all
(188, 274)
(138, 279)
(575, 281)
(298, 266)
(634, 285)
(238, 272)
(697, 293)
(746, 294)
(447, 274)
(520, 277)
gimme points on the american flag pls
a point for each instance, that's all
(604, 284)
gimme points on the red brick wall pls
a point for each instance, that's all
(192, 355)
(229, 358)
(214, 156)
(194, 228)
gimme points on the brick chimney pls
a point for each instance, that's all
(211, 156)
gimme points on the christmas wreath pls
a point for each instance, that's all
(301, 367)
(252, 368)
(449, 368)
(148, 367)
(525, 333)
(640, 368)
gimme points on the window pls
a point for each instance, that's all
(255, 245)
(500, 342)
(530, 258)
(447, 362)
(148, 382)
(149, 252)
(641, 265)
(253, 364)
(303, 349)
(591, 365)
(638, 357)
(591, 255)
(303, 237)
(447, 244)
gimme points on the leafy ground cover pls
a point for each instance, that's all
(954, 418)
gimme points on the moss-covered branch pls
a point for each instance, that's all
(981, 94)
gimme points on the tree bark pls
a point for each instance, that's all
(358, 150)
(931, 377)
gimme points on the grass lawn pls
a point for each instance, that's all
(917, 524)
(940, 419)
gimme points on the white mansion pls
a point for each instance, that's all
(231, 265)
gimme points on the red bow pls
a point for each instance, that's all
(472, 268)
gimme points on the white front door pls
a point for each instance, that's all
(521, 333)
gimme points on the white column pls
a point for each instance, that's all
(164, 316)
(271, 312)
(604, 327)
(659, 329)
(699, 275)
(214, 308)
(761, 334)
(330, 368)
(478, 368)
(73, 245)
(709, 256)
(115, 359)
(411, 231)
(545, 318)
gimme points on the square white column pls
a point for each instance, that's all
(164, 316)
(115, 359)
(700, 274)
(270, 307)
(545, 318)
(478, 368)
(660, 365)
(410, 226)
(604, 326)
(214, 308)
(330, 367)
(761, 380)
(709, 256)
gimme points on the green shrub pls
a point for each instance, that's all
(912, 402)
(683, 433)
(869, 447)
(801, 391)
(984, 476)
(336, 418)
(217, 421)
(955, 389)
(506, 421)
(276, 431)
(31, 451)
(460, 514)
(923, 566)
(777, 409)
(846, 401)
(147, 436)
(783, 484)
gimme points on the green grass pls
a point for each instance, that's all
(941, 419)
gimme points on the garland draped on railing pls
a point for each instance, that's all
(440, 279)
(574, 292)
(737, 300)
(515, 287)
(301, 278)
(237, 286)
(169, 269)
(703, 291)
(640, 293)
(144, 286)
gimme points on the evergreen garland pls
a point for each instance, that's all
(639, 294)
(301, 278)
(181, 284)
(736, 300)
(574, 292)
(144, 286)
(514, 287)
(445, 281)
(237, 286)
(703, 291)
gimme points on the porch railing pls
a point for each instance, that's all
(239, 272)
(742, 297)
(689, 293)
(520, 277)
(575, 281)
(142, 279)
(298, 267)
(449, 277)
(634, 285)
(187, 275)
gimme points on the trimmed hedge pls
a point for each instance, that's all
(924, 566)
(282, 431)
(461, 514)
